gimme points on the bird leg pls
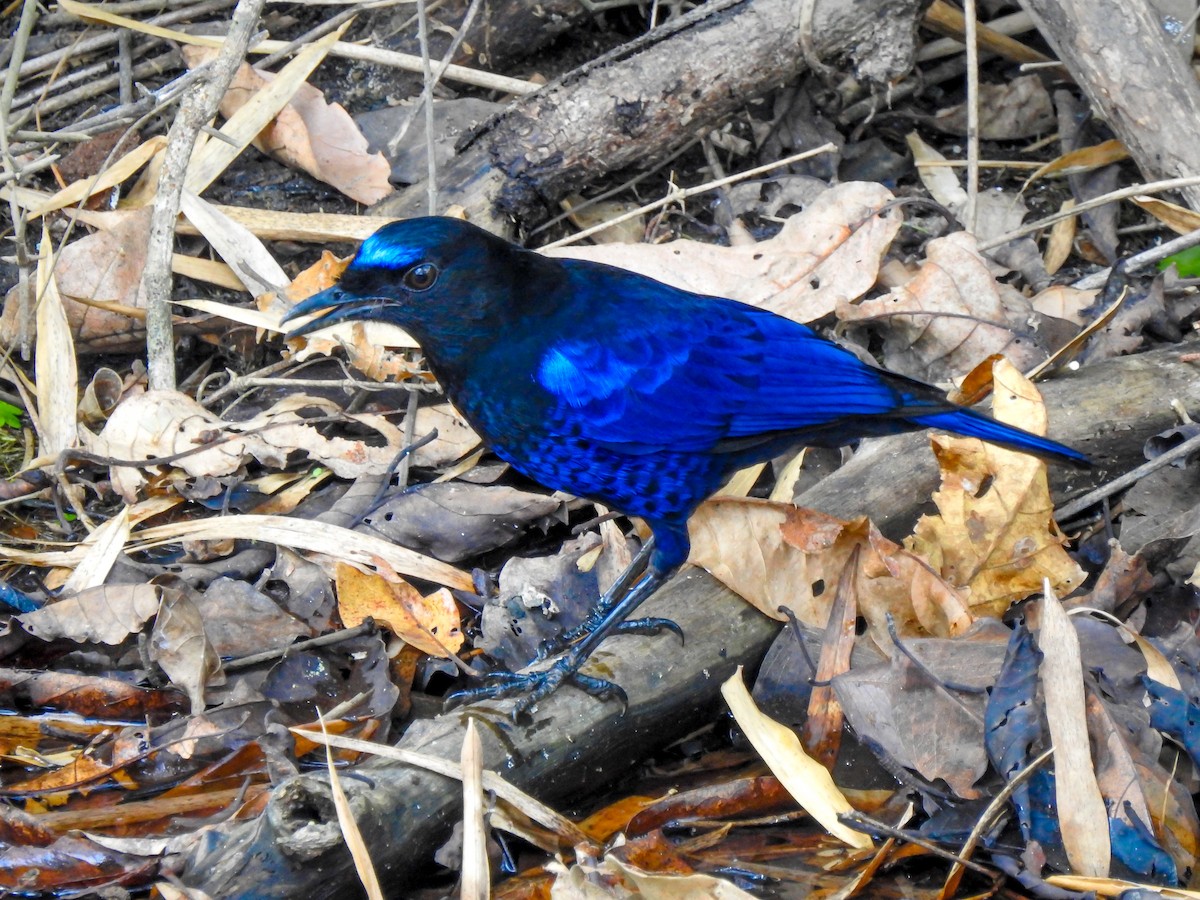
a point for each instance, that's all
(609, 618)
(600, 610)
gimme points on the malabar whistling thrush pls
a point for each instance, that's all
(612, 386)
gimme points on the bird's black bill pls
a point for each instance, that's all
(342, 307)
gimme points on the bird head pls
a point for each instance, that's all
(442, 280)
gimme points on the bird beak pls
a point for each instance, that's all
(342, 306)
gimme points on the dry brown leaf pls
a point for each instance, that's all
(805, 778)
(971, 316)
(994, 537)
(939, 179)
(630, 231)
(828, 254)
(1135, 790)
(612, 878)
(740, 542)
(1062, 239)
(309, 134)
(1017, 109)
(778, 555)
(332, 544)
(1085, 159)
(1064, 302)
(431, 623)
(164, 423)
(105, 266)
(1116, 887)
(180, 646)
(212, 155)
(246, 255)
(106, 614)
(475, 873)
(104, 546)
(1178, 218)
(996, 212)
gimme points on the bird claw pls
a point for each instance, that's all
(533, 686)
(650, 625)
(646, 626)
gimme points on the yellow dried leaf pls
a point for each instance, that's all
(994, 537)
(428, 623)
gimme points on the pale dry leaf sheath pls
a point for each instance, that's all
(806, 779)
(56, 372)
(476, 878)
(1082, 815)
(351, 833)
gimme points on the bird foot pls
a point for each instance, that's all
(533, 686)
(646, 626)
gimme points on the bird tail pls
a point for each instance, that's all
(969, 423)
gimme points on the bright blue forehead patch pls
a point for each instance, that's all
(382, 250)
(399, 245)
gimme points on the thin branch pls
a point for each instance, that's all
(29, 14)
(194, 112)
(970, 213)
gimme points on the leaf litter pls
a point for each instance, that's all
(131, 647)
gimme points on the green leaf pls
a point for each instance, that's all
(10, 416)
(1186, 261)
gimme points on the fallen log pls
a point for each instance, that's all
(632, 108)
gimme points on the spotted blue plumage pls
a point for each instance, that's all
(609, 385)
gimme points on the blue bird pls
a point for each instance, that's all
(612, 386)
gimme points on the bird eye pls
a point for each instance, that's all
(421, 278)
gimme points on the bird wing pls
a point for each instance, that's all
(665, 369)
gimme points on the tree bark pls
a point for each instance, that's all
(574, 746)
(634, 107)
(1119, 53)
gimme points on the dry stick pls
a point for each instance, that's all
(125, 66)
(319, 31)
(804, 28)
(677, 194)
(108, 38)
(993, 812)
(970, 213)
(394, 144)
(1153, 187)
(1005, 26)
(30, 168)
(611, 192)
(24, 290)
(1139, 261)
(1079, 504)
(153, 102)
(156, 66)
(46, 137)
(85, 75)
(427, 99)
(194, 112)
(410, 63)
(864, 110)
(60, 18)
(325, 640)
